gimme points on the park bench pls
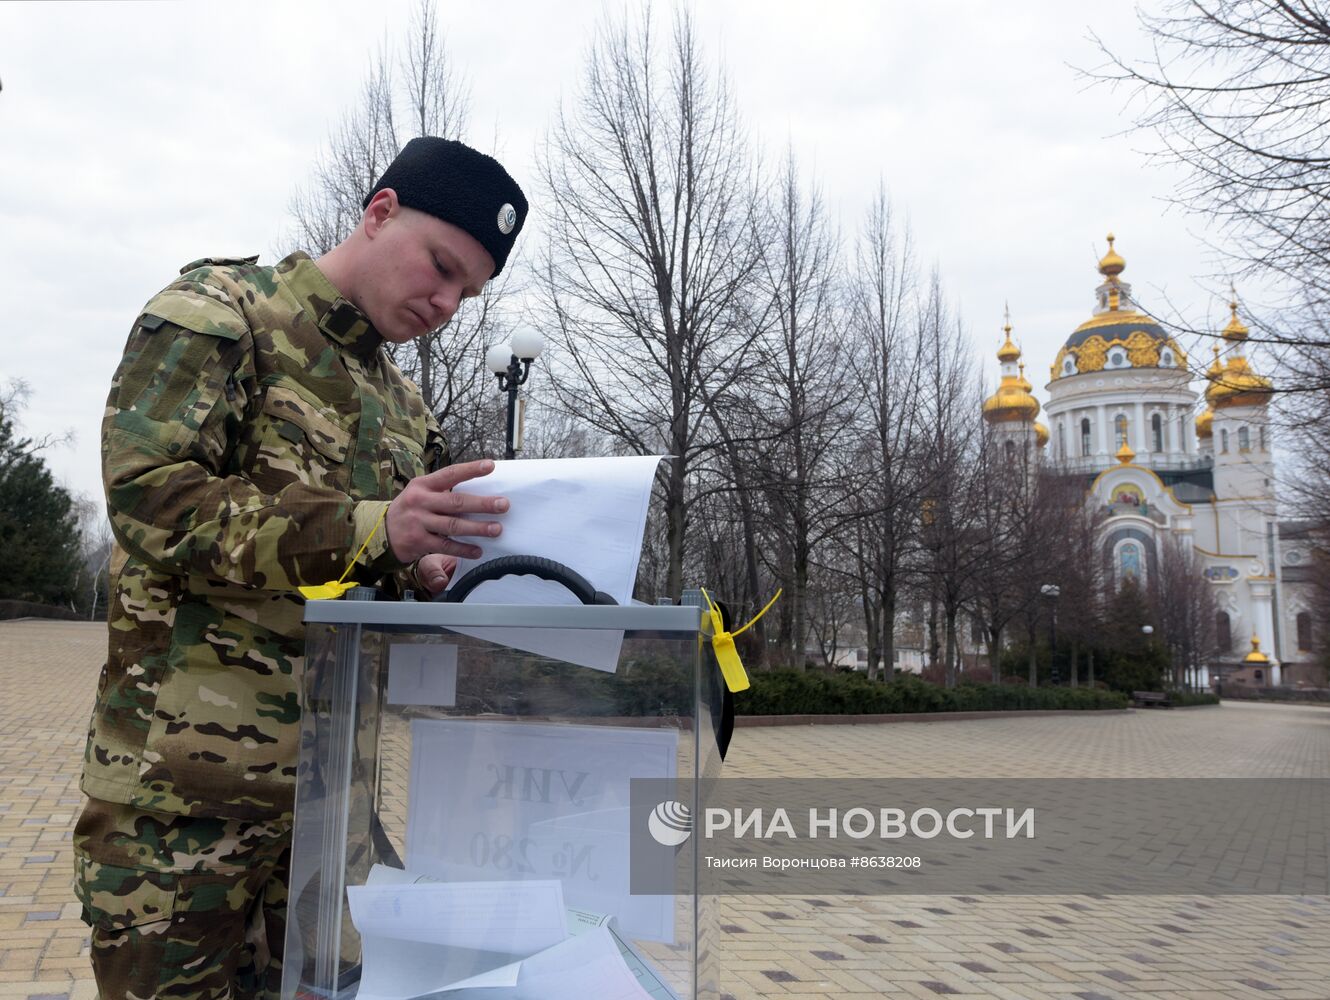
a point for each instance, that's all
(1151, 699)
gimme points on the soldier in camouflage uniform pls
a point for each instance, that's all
(256, 435)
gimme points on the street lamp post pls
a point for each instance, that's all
(511, 363)
(1052, 592)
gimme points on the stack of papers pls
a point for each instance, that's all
(489, 941)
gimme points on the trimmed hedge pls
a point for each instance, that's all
(28, 609)
(1184, 698)
(1243, 692)
(790, 692)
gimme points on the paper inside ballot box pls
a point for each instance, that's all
(504, 800)
(589, 959)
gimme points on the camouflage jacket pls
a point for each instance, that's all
(254, 432)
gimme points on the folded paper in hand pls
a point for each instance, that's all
(587, 513)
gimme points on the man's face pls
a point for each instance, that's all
(417, 269)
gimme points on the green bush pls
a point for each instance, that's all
(1242, 692)
(788, 692)
(1185, 698)
(28, 609)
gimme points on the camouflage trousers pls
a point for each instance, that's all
(180, 907)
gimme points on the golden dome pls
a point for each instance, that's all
(1235, 331)
(1235, 384)
(1125, 454)
(1255, 656)
(1239, 386)
(1040, 434)
(1139, 338)
(1112, 264)
(1203, 422)
(1010, 402)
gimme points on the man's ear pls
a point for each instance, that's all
(382, 207)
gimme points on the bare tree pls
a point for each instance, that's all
(802, 388)
(1081, 577)
(951, 440)
(1238, 94)
(884, 486)
(649, 251)
(1238, 91)
(1186, 607)
(92, 584)
(1002, 583)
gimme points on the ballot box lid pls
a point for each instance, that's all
(428, 615)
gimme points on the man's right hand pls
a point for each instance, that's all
(428, 516)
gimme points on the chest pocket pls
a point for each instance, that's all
(402, 461)
(300, 442)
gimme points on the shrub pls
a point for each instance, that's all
(787, 692)
(1184, 698)
(30, 609)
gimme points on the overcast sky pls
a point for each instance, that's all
(135, 137)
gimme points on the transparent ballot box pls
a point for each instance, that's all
(466, 825)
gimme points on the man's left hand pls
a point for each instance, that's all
(434, 570)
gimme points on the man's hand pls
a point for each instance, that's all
(434, 572)
(428, 516)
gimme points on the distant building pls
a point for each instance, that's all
(1122, 412)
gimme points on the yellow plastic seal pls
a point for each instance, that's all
(334, 589)
(329, 591)
(722, 642)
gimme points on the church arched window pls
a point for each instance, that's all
(1120, 429)
(1010, 449)
(1261, 432)
(1062, 440)
(1304, 631)
(1166, 358)
(1223, 632)
(1244, 439)
(1130, 562)
(1085, 437)
(1223, 441)
(1157, 431)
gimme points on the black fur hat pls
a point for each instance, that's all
(457, 184)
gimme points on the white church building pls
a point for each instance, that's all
(1162, 459)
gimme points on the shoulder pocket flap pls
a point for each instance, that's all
(194, 265)
(327, 437)
(198, 313)
(116, 898)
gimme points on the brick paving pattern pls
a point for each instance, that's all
(1010, 947)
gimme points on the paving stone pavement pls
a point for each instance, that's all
(1009, 947)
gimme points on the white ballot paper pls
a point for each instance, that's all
(512, 918)
(587, 513)
(594, 961)
(537, 801)
(419, 936)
